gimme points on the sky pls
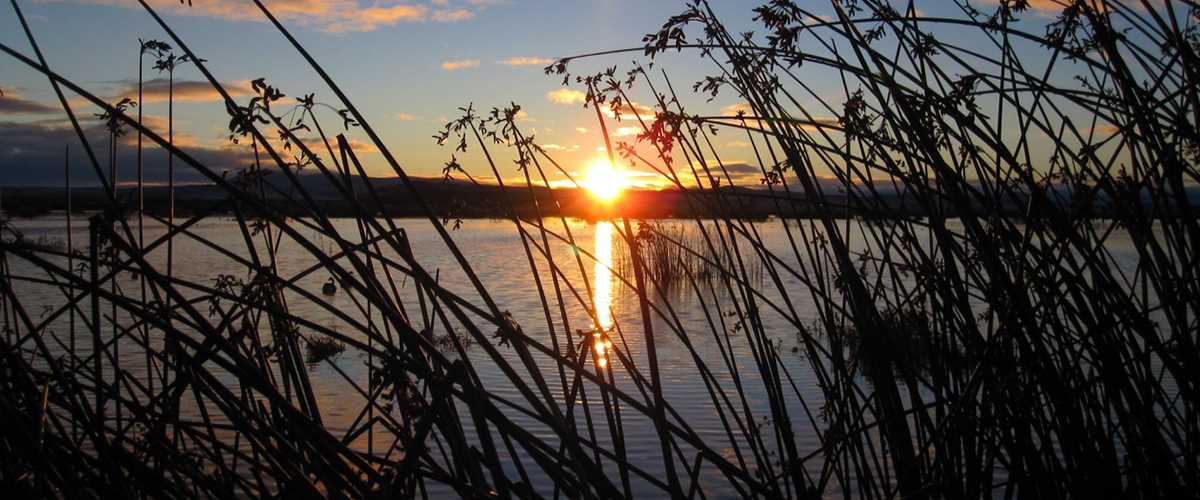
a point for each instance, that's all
(408, 65)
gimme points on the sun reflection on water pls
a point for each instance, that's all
(603, 252)
(602, 298)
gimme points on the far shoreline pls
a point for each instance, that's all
(457, 200)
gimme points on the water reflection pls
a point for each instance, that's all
(602, 296)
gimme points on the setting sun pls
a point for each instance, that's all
(604, 181)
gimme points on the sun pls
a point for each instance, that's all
(604, 181)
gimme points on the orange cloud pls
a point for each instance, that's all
(405, 117)
(158, 124)
(158, 89)
(331, 16)
(460, 64)
(526, 61)
(630, 111)
(318, 146)
(1046, 6)
(1049, 8)
(566, 96)
(734, 109)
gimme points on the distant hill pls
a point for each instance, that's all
(463, 199)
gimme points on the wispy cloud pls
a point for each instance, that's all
(32, 153)
(158, 89)
(1043, 7)
(730, 115)
(159, 124)
(372, 18)
(566, 96)
(317, 145)
(525, 61)
(630, 111)
(452, 16)
(331, 16)
(460, 64)
(405, 117)
(10, 102)
(1049, 8)
(736, 167)
(734, 109)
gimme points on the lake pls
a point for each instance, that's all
(703, 348)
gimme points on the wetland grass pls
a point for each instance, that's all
(1046, 367)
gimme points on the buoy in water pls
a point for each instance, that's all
(330, 288)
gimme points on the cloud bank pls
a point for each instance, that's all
(12, 103)
(331, 16)
(32, 154)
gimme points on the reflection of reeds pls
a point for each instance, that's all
(674, 255)
(975, 356)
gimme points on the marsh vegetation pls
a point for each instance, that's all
(961, 353)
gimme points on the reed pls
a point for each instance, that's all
(674, 254)
(994, 346)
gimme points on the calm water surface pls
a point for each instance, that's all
(496, 254)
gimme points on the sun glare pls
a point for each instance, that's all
(604, 181)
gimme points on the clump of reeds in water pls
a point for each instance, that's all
(8, 232)
(907, 344)
(42, 243)
(675, 254)
(319, 349)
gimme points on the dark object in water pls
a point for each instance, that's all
(323, 348)
(330, 288)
